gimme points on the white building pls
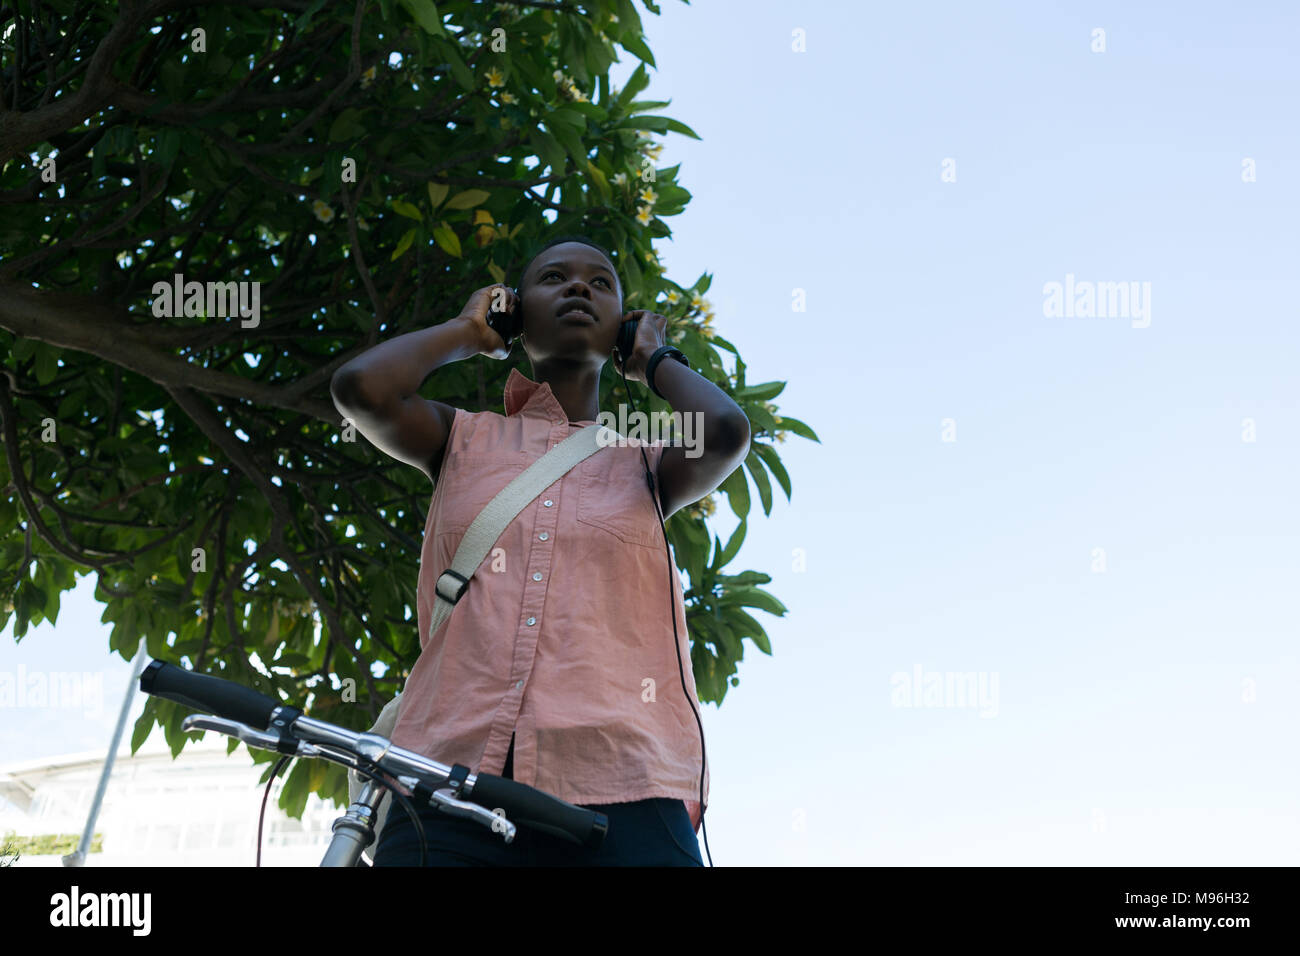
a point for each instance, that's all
(200, 809)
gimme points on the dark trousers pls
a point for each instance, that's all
(654, 832)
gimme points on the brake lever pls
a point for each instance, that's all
(254, 738)
(374, 748)
(476, 812)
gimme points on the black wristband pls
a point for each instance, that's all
(659, 353)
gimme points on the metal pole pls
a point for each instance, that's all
(78, 857)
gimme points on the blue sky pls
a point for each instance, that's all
(1140, 714)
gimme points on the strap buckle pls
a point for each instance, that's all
(451, 585)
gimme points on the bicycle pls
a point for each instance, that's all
(267, 724)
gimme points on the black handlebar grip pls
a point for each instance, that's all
(533, 808)
(211, 695)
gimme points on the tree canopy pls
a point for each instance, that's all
(367, 165)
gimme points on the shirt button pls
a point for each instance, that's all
(543, 536)
(519, 683)
(548, 502)
(532, 621)
(537, 575)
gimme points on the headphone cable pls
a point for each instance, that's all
(681, 673)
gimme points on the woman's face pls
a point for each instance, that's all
(572, 304)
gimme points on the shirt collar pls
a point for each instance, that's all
(524, 396)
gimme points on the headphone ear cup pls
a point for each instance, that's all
(626, 339)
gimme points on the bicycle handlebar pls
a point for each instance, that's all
(212, 695)
(530, 806)
(538, 809)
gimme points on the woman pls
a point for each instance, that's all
(557, 667)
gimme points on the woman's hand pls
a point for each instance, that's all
(488, 340)
(650, 333)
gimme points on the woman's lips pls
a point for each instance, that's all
(578, 315)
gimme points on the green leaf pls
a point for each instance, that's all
(736, 488)
(29, 604)
(47, 368)
(437, 193)
(656, 124)
(636, 46)
(362, 320)
(172, 732)
(548, 149)
(51, 609)
(733, 546)
(568, 116)
(169, 141)
(144, 724)
(425, 14)
(598, 177)
(693, 530)
(748, 627)
(463, 74)
(755, 597)
(798, 427)
(305, 19)
(760, 393)
(409, 210)
(760, 419)
(25, 348)
(293, 798)
(744, 579)
(468, 199)
(755, 466)
(447, 240)
(570, 139)
(346, 125)
(640, 106)
(637, 82)
(403, 244)
(774, 465)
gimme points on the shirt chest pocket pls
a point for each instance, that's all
(613, 496)
(470, 482)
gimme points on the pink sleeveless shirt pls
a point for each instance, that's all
(563, 637)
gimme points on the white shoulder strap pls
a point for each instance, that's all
(501, 510)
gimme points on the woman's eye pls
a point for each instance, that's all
(601, 278)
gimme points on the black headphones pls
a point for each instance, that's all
(510, 324)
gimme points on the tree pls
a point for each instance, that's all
(365, 167)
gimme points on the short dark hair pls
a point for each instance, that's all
(555, 242)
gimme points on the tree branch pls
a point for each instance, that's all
(85, 324)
